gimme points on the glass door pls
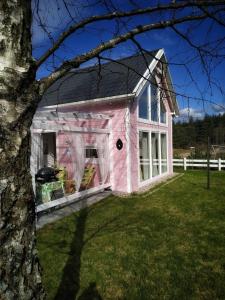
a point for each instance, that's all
(155, 153)
(144, 157)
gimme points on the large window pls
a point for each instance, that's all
(149, 106)
(152, 154)
(154, 102)
(143, 105)
(144, 156)
(162, 112)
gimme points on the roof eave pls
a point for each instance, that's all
(171, 90)
(148, 72)
(89, 101)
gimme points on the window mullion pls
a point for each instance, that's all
(150, 153)
(158, 103)
(160, 154)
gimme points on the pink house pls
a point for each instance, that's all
(116, 118)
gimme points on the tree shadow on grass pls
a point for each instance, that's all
(90, 293)
(70, 281)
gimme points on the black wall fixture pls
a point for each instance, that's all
(119, 144)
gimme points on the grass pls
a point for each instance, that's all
(165, 245)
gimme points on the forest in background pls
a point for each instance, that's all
(190, 138)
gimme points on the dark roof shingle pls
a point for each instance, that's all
(111, 79)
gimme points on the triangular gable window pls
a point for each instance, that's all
(151, 106)
(143, 105)
(162, 112)
(154, 102)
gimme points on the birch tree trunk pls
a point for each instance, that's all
(19, 266)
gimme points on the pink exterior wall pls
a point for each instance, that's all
(118, 158)
(62, 153)
(134, 145)
(123, 124)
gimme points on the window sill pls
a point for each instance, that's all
(92, 161)
(152, 179)
(152, 122)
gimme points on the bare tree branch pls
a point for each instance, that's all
(42, 25)
(212, 16)
(117, 14)
(165, 89)
(78, 60)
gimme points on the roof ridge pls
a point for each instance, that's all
(113, 60)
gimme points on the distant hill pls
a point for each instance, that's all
(195, 132)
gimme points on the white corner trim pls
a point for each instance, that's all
(128, 148)
(169, 73)
(148, 72)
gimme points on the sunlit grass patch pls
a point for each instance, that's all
(166, 245)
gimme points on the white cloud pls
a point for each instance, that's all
(218, 108)
(192, 112)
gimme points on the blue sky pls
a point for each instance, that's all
(195, 95)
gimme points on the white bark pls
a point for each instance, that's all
(19, 267)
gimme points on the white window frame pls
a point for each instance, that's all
(149, 121)
(150, 157)
(92, 160)
(167, 153)
(142, 183)
(42, 145)
(166, 123)
(146, 86)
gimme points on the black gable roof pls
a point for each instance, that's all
(111, 79)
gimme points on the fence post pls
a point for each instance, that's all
(219, 164)
(208, 163)
(185, 163)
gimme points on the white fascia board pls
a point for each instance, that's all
(148, 73)
(174, 99)
(87, 102)
(67, 116)
(38, 126)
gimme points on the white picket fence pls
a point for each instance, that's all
(219, 164)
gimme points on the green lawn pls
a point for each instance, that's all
(165, 245)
